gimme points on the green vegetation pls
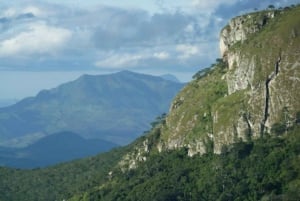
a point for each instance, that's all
(277, 35)
(196, 101)
(278, 128)
(57, 182)
(265, 169)
(271, 7)
(219, 64)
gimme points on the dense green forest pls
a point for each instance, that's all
(261, 166)
(264, 169)
(57, 182)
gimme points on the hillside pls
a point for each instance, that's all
(251, 90)
(246, 100)
(265, 169)
(53, 149)
(116, 107)
(232, 133)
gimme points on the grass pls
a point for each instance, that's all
(229, 109)
(196, 102)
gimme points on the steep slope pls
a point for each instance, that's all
(215, 144)
(58, 182)
(247, 93)
(116, 108)
(53, 149)
(264, 169)
(237, 108)
(209, 114)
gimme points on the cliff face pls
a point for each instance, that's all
(245, 95)
(266, 66)
(241, 27)
(261, 78)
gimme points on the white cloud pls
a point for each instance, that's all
(11, 12)
(16, 11)
(190, 28)
(33, 10)
(210, 6)
(128, 60)
(120, 60)
(186, 51)
(37, 38)
(161, 55)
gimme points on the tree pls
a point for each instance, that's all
(271, 7)
(297, 118)
(278, 128)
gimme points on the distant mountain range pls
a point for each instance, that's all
(170, 77)
(7, 102)
(232, 133)
(116, 107)
(53, 149)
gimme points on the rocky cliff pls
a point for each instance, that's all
(240, 28)
(252, 90)
(265, 67)
(251, 93)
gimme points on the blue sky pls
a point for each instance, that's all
(47, 42)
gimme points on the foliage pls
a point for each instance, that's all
(205, 71)
(297, 118)
(264, 169)
(58, 182)
(271, 7)
(279, 128)
(267, 169)
(159, 120)
(195, 101)
(277, 34)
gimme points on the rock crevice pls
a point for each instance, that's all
(271, 77)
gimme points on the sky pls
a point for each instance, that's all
(44, 43)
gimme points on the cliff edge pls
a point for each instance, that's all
(252, 91)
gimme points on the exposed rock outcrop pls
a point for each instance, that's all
(254, 86)
(240, 28)
(260, 59)
(130, 160)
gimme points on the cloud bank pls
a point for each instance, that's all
(37, 38)
(177, 36)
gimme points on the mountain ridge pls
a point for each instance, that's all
(210, 146)
(53, 149)
(244, 87)
(116, 107)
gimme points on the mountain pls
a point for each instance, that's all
(116, 107)
(233, 133)
(7, 102)
(53, 149)
(247, 93)
(170, 77)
